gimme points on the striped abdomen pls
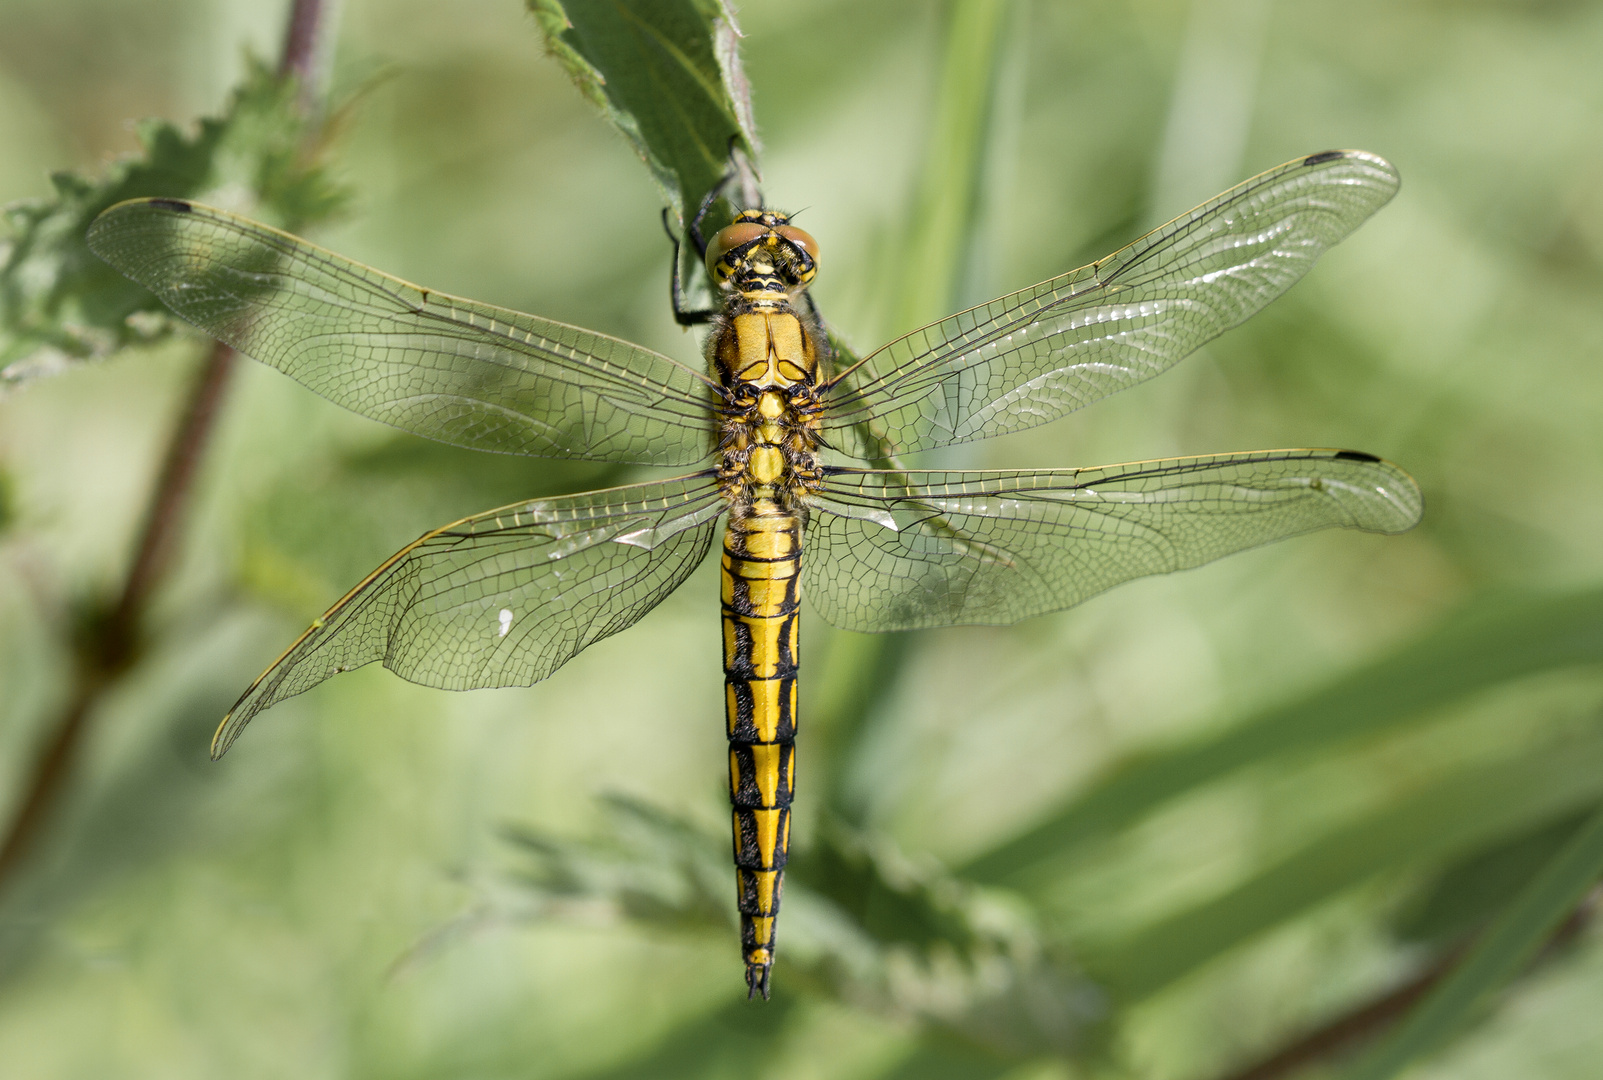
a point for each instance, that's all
(761, 575)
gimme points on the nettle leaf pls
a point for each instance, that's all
(60, 304)
(667, 74)
(863, 923)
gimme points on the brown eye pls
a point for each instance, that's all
(800, 239)
(728, 239)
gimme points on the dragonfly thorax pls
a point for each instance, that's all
(769, 446)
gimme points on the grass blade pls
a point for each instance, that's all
(1444, 820)
(1506, 947)
(1488, 643)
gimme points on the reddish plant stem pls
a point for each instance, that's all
(110, 644)
(308, 47)
(169, 503)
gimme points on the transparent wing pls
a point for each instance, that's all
(899, 550)
(503, 598)
(455, 370)
(1041, 353)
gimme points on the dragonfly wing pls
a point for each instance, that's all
(899, 550)
(1039, 354)
(503, 598)
(455, 370)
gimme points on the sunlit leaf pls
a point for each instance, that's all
(667, 74)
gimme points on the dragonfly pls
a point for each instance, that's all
(780, 429)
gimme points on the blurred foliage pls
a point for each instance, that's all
(865, 925)
(1520, 930)
(58, 303)
(1157, 836)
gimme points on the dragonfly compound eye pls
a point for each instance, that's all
(801, 239)
(728, 239)
(804, 263)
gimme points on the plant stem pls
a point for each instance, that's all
(308, 48)
(110, 645)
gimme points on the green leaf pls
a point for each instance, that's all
(1467, 894)
(1507, 946)
(667, 74)
(861, 922)
(1485, 644)
(59, 303)
(1443, 821)
(857, 675)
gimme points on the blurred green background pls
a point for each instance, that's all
(1376, 739)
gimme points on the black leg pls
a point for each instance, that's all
(681, 314)
(694, 228)
(712, 196)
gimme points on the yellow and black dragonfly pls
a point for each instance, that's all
(503, 598)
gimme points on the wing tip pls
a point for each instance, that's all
(160, 202)
(224, 736)
(1326, 157)
(101, 234)
(180, 206)
(1408, 502)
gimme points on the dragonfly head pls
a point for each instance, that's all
(758, 246)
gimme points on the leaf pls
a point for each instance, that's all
(861, 923)
(1505, 948)
(667, 74)
(1487, 643)
(60, 304)
(1467, 894)
(1439, 823)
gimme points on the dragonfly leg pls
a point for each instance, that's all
(731, 174)
(684, 316)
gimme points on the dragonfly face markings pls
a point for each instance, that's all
(505, 597)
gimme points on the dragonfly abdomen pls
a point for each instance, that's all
(761, 584)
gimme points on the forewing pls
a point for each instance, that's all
(503, 598)
(455, 370)
(899, 550)
(1039, 354)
